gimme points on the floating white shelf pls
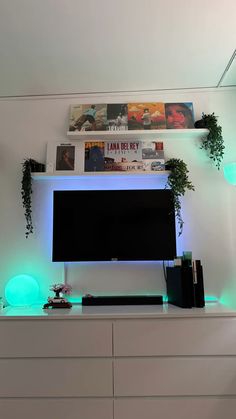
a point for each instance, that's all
(165, 134)
(66, 175)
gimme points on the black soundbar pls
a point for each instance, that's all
(122, 300)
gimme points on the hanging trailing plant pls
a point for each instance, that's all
(28, 166)
(213, 143)
(178, 182)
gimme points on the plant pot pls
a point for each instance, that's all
(200, 124)
(37, 167)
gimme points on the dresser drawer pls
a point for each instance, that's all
(55, 338)
(191, 336)
(56, 408)
(182, 408)
(56, 377)
(175, 376)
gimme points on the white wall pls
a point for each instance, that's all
(27, 124)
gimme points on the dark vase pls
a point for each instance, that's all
(37, 167)
(200, 124)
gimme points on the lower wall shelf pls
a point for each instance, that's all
(65, 175)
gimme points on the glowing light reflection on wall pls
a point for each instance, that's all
(230, 173)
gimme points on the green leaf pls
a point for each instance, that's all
(178, 182)
(213, 143)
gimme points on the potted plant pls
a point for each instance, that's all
(61, 289)
(178, 182)
(28, 166)
(58, 301)
(213, 143)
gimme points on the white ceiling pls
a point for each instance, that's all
(82, 46)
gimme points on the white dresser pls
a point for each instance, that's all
(118, 363)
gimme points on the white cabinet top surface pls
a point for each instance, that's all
(115, 312)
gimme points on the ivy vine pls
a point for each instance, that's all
(26, 192)
(213, 143)
(178, 182)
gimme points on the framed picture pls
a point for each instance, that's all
(179, 115)
(63, 157)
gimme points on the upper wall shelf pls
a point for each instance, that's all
(138, 134)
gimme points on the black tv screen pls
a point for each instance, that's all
(110, 225)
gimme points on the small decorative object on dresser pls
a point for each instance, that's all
(58, 301)
(22, 291)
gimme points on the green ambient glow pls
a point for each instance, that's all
(211, 299)
(228, 299)
(230, 173)
(22, 290)
(208, 299)
(74, 300)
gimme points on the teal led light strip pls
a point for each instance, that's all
(211, 299)
(208, 299)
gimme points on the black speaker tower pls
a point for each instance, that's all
(185, 286)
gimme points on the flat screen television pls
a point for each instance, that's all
(110, 225)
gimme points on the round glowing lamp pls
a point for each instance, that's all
(230, 173)
(22, 290)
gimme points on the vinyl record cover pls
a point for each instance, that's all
(117, 117)
(126, 155)
(123, 155)
(146, 116)
(94, 156)
(152, 150)
(179, 115)
(153, 156)
(154, 165)
(90, 117)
